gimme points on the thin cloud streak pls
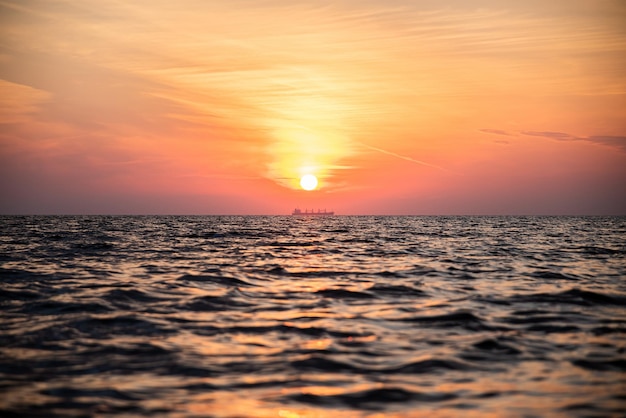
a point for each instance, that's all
(614, 141)
(496, 132)
(618, 142)
(404, 157)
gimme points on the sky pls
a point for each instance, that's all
(398, 107)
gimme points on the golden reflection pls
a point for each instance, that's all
(237, 345)
(320, 344)
(231, 405)
(288, 414)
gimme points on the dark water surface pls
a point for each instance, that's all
(312, 317)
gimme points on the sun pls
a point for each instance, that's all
(308, 182)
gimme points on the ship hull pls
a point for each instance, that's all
(314, 214)
(298, 212)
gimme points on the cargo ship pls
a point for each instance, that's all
(298, 212)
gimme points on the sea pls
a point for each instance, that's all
(326, 316)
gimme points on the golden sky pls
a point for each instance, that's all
(398, 107)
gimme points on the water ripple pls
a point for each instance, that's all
(297, 317)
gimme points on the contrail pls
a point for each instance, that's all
(404, 157)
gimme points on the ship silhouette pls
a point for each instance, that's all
(298, 212)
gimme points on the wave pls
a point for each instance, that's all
(372, 399)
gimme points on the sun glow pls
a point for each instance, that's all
(308, 182)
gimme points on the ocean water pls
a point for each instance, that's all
(312, 317)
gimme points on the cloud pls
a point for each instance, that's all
(612, 141)
(19, 102)
(496, 132)
(559, 136)
(618, 142)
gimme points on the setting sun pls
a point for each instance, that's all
(308, 182)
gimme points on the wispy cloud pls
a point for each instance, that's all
(615, 141)
(496, 132)
(612, 141)
(559, 136)
(19, 103)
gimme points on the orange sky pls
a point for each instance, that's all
(398, 107)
